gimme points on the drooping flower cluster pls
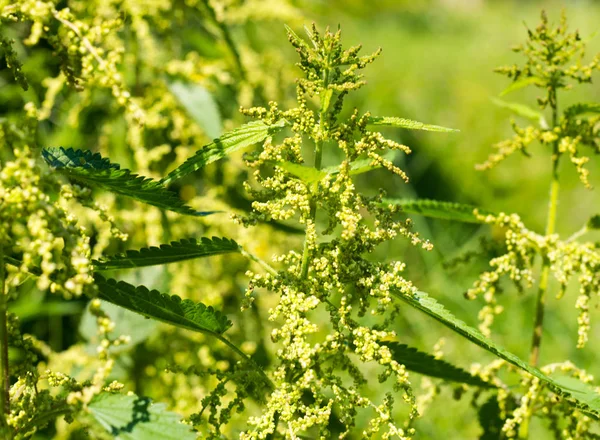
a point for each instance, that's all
(566, 259)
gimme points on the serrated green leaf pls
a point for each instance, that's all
(409, 124)
(582, 108)
(519, 84)
(362, 165)
(162, 307)
(521, 110)
(168, 253)
(438, 209)
(490, 419)
(129, 417)
(201, 106)
(584, 401)
(242, 137)
(582, 391)
(424, 363)
(312, 175)
(93, 170)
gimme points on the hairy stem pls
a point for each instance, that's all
(247, 358)
(4, 372)
(325, 100)
(550, 228)
(262, 263)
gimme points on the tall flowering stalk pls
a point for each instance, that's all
(331, 274)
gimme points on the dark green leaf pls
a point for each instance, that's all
(93, 170)
(438, 209)
(129, 417)
(582, 108)
(424, 363)
(490, 419)
(407, 123)
(594, 222)
(162, 307)
(242, 137)
(585, 401)
(168, 253)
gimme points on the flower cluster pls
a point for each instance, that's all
(332, 274)
(566, 259)
(554, 60)
(40, 232)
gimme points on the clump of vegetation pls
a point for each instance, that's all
(310, 347)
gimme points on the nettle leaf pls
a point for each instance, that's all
(312, 175)
(409, 124)
(582, 108)
(171, 309)
(242, 137)
(490, 419)
(168, 253)
(302, 172)
(362, 165)
(521, 110)
(438, 209)
(129, 417)
(519, 84)
(93, 170)
(424, 363)
(585, 401)
(200, 104)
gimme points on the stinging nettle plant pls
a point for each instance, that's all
(332, 309)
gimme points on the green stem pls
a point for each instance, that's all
(247, 358)
(550, 229)
(254, 258)
(4, 372)
(228, 39)
(325, 100)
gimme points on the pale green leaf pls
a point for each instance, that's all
(201, 106)
(585, 401)
(519, 84)
(312, 175)
(428, 365)
(242, 137)
(438, 209)
(389, 121)
(162, 307)
(168, 253)
(126, 322)
(361, 166)
(302, 172)
(129, 417)
(93, 170)
(521, 110)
